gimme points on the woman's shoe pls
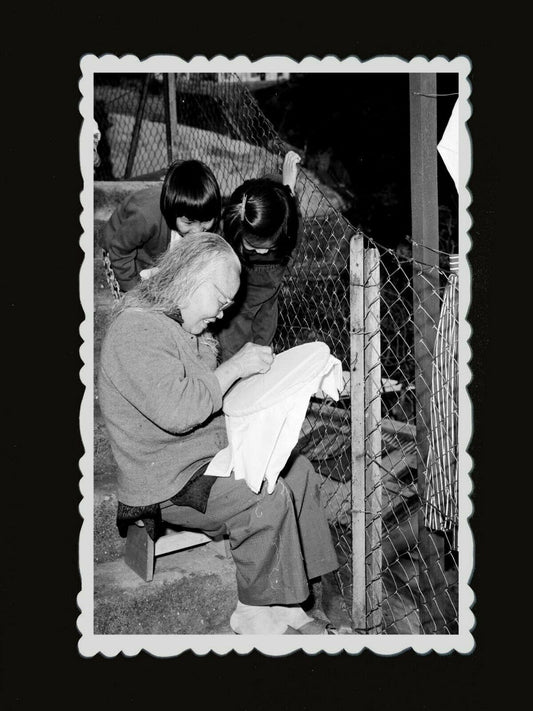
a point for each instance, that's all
(257, 619)
(276, 619)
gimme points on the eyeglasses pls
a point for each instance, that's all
(226, 303)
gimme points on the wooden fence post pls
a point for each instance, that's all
(137, 128)
(372, 407)
(171, 115)
(425, 233)
(357, 399)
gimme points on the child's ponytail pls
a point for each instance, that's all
(262, 213)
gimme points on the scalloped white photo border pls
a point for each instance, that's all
(91, 644)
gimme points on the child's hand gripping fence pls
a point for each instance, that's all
(387, 451)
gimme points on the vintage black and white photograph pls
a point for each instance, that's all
(275, 418)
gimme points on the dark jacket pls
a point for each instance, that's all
(135, 235)
(254, 316)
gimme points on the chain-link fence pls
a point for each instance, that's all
(407, 436)
(386, 452)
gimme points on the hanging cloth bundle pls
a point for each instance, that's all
(441, 472)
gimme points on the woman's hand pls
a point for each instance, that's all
(290, 169)
(251, 359)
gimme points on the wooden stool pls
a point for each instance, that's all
(141, 551)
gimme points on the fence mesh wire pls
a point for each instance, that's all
(386, 452)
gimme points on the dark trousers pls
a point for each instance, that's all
(278, 541)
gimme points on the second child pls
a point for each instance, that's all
(261, 222)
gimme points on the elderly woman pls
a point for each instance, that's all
(161, 392)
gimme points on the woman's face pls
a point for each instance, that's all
(208, 301)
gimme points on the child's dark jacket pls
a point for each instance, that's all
(135, 235)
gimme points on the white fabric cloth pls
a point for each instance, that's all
(262, 438)
(448, 146)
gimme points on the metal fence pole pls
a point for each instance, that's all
(425, 234)
(357, 389)
(137, 128)
(171, 115)
(373, 504)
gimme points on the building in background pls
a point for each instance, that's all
(231, 77)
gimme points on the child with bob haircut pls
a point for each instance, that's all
(148, 222)
(261, 223)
